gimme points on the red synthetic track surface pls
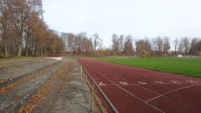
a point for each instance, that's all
(137, 90)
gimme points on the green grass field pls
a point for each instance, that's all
(184, 66)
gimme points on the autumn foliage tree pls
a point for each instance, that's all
(143, 47)
(128, 46)
(195, 47)
(78, 43)
(115, 44)
(23, 31)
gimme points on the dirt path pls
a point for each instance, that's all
(64, 93)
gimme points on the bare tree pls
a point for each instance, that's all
(85, 43)
(97, 41)
(195, 46)
(71, 41)
(115, 44)
(158, 42)
(64, 37)
(79, 44)
(181, 46)
(100, 44)
(128, 46)
(176, 41)
(186, 45)
(121, 42)
(166, 45)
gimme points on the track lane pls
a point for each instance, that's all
(165, 82)
(124, 94)
(115, 74)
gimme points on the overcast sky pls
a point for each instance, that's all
(151, 18)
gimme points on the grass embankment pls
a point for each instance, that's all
(184, 66)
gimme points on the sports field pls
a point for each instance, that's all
(137, 90)
(184, 66)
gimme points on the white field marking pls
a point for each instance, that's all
(123, 83)
(141, 82)
(101, 84)
(191, 81)
(56, 58)
(171, 92)
(127, 91)
(175, 82)
(159, 82)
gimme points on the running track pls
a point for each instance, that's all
(137, 90)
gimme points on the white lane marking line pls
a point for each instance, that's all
(158, 82)
(127, 90)
(141, 82)
(191, 81)
(123, 83)
(175, 82)
(101, 84)
(171, 92)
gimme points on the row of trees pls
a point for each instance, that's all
(159, 46)
(92, 45)
(81, 44)
(128, 45)
(145, 47)
(23, 30)
(119, 46)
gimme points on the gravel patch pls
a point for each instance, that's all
(18, 93)
(26, 69)
(43, 86)
(66, 94)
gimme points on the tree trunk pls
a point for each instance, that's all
(45, 52)
(33, 53)
(27, 51)
(6, 50)
(19, 51)
(41, 52)
(26, 47)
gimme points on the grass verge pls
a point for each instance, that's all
(184, 66)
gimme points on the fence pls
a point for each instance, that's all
(97, 95)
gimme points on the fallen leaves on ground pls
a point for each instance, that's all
(40, 95)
